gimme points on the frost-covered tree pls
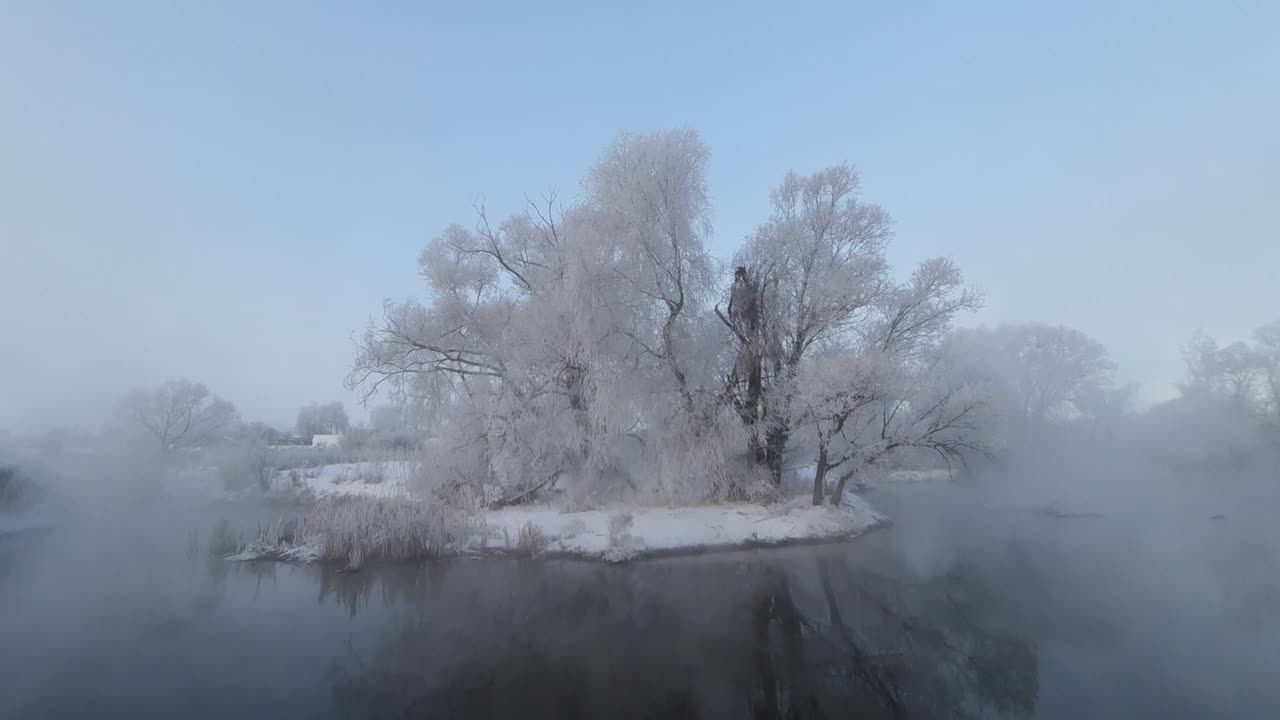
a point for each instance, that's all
(1266, 345)
(179, 413)
(327, 419)
(1236, 372)
(649, 197)
(563, 338)
(808, 275)
(1244, 374)
(582, 342)
(258, 431)
(1046, 372)
(1104, 408)
(813, 279)
(1226, 413)
(893, 384)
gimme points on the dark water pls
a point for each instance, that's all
(961, 609)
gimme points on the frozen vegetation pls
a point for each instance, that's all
(627, 533)
(588, 379)
(595, 357)
(599, 345)
(356, 528)
(376, 479)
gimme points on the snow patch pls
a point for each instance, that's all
(613, 535)
(603, 534)
(369, 479)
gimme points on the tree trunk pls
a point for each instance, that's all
(755, 389)
(867, 462)
(575, 383)
(746, 305)
(776, 445)
(526, 495)
(820, 475)
(838, 495)
(748, 406)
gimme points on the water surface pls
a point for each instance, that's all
(962, 608)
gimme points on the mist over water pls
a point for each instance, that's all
(1054, 600)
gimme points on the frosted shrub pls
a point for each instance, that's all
(446, 478)
(708, 465)
(530, 541)
(379, 529)
(360, 529)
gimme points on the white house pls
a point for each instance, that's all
(320, 441)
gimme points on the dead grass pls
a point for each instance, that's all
(530, 541)
(362, 529)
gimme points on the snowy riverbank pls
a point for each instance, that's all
(367, 510)
(639, 532)
(377, 479)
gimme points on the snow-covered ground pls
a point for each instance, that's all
(368, 479)
(636, 532)
(393, 478)
(614, 534)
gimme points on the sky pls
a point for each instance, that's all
(228, 191)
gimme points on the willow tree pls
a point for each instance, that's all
(565, 333)
(582, 342)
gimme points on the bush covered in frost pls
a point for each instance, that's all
(530, 541)
(362, 529)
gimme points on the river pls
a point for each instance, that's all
(962, 608)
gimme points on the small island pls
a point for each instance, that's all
(589, 379)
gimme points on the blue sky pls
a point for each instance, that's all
(226, 191)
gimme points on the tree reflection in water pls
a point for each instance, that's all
(798, 633)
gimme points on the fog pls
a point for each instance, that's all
(1079, 578)
(1125, 568)
(639, 362)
